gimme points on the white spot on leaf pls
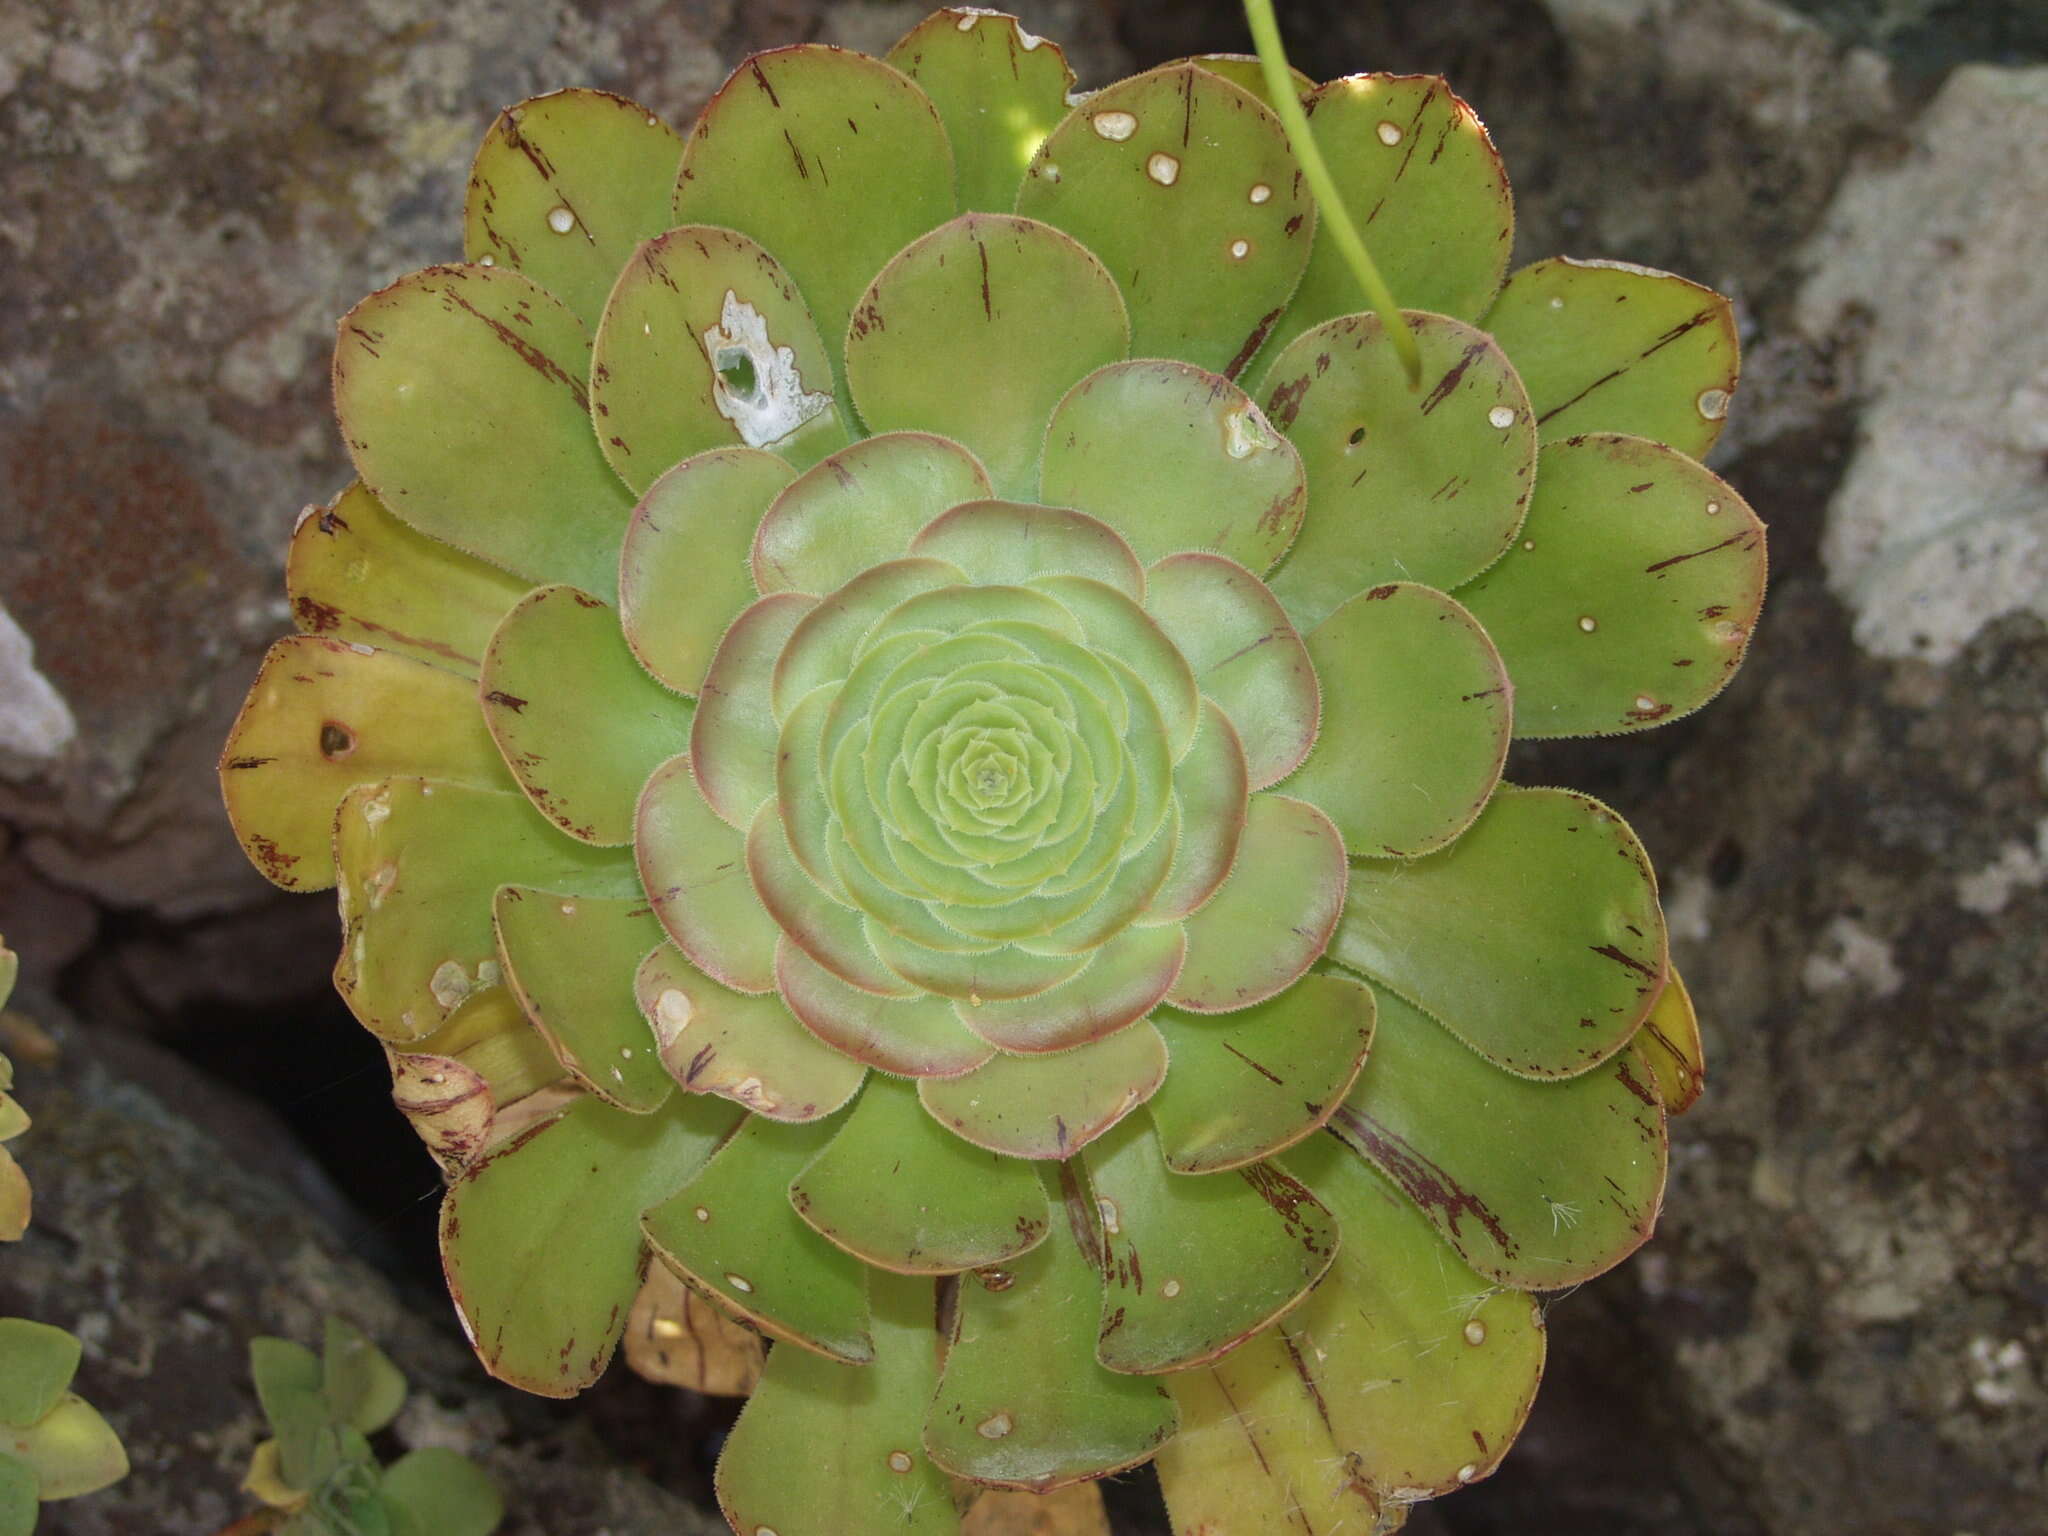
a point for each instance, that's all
(994, 1427)
(1502, 416)
(561, 220)
(1113, 126)
(1163, 168)
(754, 383)
(1390, 133)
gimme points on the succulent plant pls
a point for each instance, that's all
(53, 1444)
(318, 1466)
(908, 715)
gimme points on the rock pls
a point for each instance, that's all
(166, 1247)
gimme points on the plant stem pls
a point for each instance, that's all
(1336, 219)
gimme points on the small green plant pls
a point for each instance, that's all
(53, 1444)
(318, 1468)
(907, 715)
(15, 1195)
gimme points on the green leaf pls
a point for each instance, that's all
(1428, 193)
(1426, 485)
(773, 157)
(1050, 1106)
(897, 1189)
(913, 1036)
(1539, 1185)
(1007, 543)
(1174, 458)
(820, 1439)
(1607, 346)
(826, 929)
(420, 861)
(1125, 979)
(1245, 654)
(998, 89)
(1416, 721)
(323, 717)
(71, 1449)
(734, 734)
(984, 286)
(435, 1491)
(1632, 594)
(564, 186)
(356, 573)
(570, 961)
(861, 506)
(1428, 1372)
(577, 721)
(1250, 1083)
(823, 647)
(1536, 937)
(706, 344)
(694, 868)
(17, 1496)
(1022, 1401)
(358, 1379)
(1272, 917)
(1244, 71)
(541, 1238)
(749, 1049)
(1161, 175)
(1670, 1046)
(732, 1233)
(15, 1198)
(37, 1363)
(692, 532)
(1194, 1266)
(461, 393)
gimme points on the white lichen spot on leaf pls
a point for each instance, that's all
(755, 384)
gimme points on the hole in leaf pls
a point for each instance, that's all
(736, 367)
(336, 741)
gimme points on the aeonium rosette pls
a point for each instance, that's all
(908, 705)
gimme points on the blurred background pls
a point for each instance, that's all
(1842, 1324)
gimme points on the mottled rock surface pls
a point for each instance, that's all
(1840, 1326)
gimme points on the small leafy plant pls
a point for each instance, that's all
(907, 715)
(318, 1468)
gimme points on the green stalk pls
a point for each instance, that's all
(1336, 220)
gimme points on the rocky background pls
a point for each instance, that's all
(1842, 1325)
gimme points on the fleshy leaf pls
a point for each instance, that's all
(16, 1199)
(571, 960)
(1209, 786)
(1246, 1085)
(1125, 979)
(734, 734)
(731, 1232)
(1536, 937)
(1245, 654)
(72, 1450)
(916, 1036)
(822, 647)
(454, 1084)
(1174, 458)
(750, 1049)
(1049, 1106)
(998, 89)
(707, 344)
(564, 186)
(1272, 917)
(541, 1239)
(356, 573)
(1417, 724)
(984, 286)
(1244, 71)
(820, 1439)
(461, 393)
(578, 722)
(1184, 186)
(692, 533)
(1608, 346)
(419, 862)
(1424, 485)
(18, 1503)
(358, 1379)
(1539, 1185)
(1194, 1266)
(324, 716)
(1022, 1401)
(676, 1338)
(1632, 594)
(694, 869)
(831, 933)
(774, 157)
(1670, 1044)
(861, 506)
(39, 1363)
(1427, 1371)
(1007, 543)
(899, 1190)
(438, 1491)
(1428, 193)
